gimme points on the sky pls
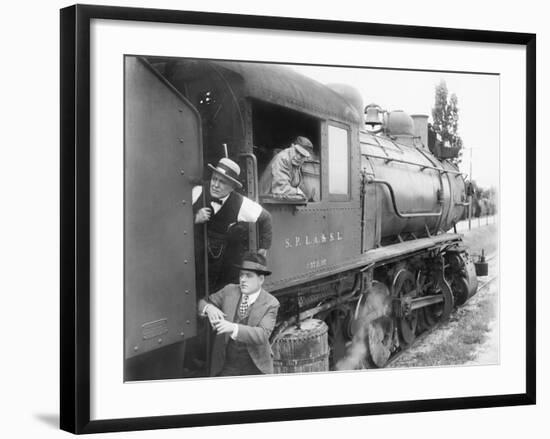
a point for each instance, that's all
(414, 93)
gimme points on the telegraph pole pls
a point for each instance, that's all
(470, 196)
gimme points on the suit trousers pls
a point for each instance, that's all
(238, 361)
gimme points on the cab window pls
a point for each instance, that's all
(338, 163)
(275, 128)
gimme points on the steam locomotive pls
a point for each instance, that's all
(368, 258)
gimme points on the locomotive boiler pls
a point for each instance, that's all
(368, 257)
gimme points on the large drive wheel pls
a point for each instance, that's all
(422, 325)
(404, 286)
(448, 303)
(431, 315)
(456, 274)
(440, 311)
(379, 341)
(408, 326)
(377, 323)
(460, 289)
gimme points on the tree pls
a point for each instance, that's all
(445, 119)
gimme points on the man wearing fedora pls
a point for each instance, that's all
(243, 316)
(225, 213)
(283, 176)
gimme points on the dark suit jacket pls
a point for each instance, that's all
(261, 321)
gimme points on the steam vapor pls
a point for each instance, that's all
(377, 304)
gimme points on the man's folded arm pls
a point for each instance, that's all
(259, 334)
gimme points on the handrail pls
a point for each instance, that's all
(253, 231)
(270, 199)
(371, 180)
(255, 176)
(421, 166)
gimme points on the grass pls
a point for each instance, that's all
(485, 237)
(458, 340)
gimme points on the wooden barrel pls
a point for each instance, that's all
(302, 350)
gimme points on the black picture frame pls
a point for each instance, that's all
(75, 217)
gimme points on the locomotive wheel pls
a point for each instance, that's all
(460, 289)
(403, 286)
(422, 325)
(375, 315)
(379, 341)
(408, 326)
(440, 311)
(458, 277)
(431, 315)
(448, 304)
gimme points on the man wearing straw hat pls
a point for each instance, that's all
(243, 317)
(225, 211)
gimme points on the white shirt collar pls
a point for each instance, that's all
(225, 198)
(253, 296)
(218, 206)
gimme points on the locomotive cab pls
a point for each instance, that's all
(256, 110)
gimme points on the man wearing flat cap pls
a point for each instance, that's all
(283, 176)
(243, 316)
(226, 213)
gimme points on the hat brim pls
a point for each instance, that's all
(255, 270)
(302, 150)
(227, 177)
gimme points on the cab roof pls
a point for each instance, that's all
(280, 85)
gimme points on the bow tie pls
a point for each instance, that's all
(217, 201)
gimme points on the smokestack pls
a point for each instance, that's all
(421, 128)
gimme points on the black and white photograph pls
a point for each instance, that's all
(267, 219)
(306, 219)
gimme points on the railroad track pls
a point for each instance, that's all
(482, 285)
(419, 339)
